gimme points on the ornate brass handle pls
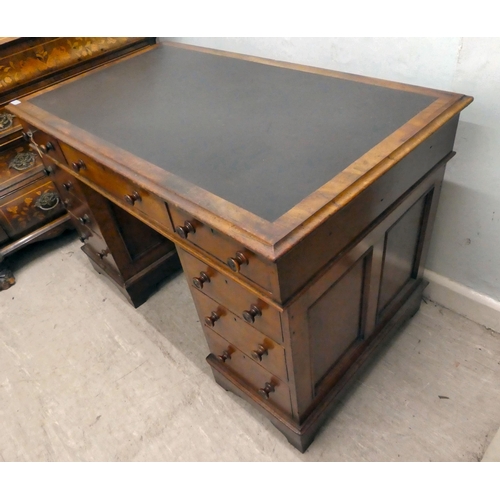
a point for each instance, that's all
(47, 201)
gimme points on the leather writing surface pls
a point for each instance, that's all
(259, 136)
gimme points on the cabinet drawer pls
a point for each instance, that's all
(253, 343)
(230, 252)
(122, 191)
(266, 385)
(29, 207)
(244, 304)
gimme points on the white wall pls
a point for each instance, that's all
(466, 241)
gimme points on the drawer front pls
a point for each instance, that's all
(220, 287)
(247, 339)
(81, 215)
(43, 143)
(29, 207)
(230, 252)
(271, 389)
(68, 186)
(122, 191)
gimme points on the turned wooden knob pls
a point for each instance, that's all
(103, 253)
(184, 230)
(266, 390)
(48, 170)
(47, 147)
(210, 320)
(84, 219)
(67, 203)
(224, 356)
(235, 262)
(67, 185)
(84, 238)
(79, 165)
(250, 314)
(202, 278)
(132, 198)
(259, 352)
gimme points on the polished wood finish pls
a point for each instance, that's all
(31, 65)
(300, 202)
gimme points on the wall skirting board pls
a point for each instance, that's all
(463, 300)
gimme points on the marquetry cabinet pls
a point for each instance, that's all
(30, 205)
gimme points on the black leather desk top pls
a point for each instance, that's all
(260, 136)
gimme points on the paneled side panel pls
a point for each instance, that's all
(335, 320)
(401, 250)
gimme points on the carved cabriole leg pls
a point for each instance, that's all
(7, 278)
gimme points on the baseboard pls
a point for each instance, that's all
(463, 300)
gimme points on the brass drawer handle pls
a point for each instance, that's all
(200, 280)
(224, 356)
(250, 314)
(210, 320)
(266, 390)
(79, 165)
(235, 262)
(184, 230)
(259, 352)
(132, 198)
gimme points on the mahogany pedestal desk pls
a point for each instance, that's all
(300, 202)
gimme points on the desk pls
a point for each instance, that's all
(299, 202)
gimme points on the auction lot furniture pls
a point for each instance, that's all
(300, 202)
(30, 206)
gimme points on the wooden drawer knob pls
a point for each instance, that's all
(235, 262)
(132, 198)
(202, 278)
(210, 320)
(84, 219)
(67, 185)
(250, 314)
(224, 356)
(184, 230)
(47, 147)
(259, 352)
(49, 169)
(266, 390)
(79, 165)
(103, 253)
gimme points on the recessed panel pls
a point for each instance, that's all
(401, 247)
(335, 319)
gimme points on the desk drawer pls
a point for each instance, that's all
(267, 386)
(42, 142)
(250, 341)
(230, 252)
(122, 191)
(241, 302)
